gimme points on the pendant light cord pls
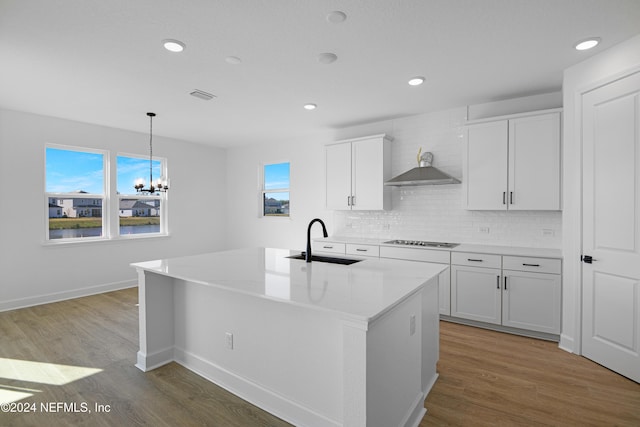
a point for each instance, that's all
(151, 116)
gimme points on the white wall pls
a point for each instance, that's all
(33, 273)
(613, 63)
(245, 226)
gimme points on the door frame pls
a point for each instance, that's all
(572, 150)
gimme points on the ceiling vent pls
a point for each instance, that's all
(202, 95)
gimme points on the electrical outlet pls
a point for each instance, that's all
(228, 339)
(548, 232)
(412, 324)
(484, 230)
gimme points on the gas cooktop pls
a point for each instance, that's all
(422, 243)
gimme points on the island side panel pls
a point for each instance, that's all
(394, 365)
(155, 303)
(283, 358)
(430, 334)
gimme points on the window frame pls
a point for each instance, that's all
(161, 196)
(110, 198)
(75, 195)
(263, 191)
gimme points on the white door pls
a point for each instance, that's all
(611, 226)
(485, 166)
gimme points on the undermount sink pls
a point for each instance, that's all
(332, 260)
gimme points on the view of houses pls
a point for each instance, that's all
(80, 207)
(276, 207)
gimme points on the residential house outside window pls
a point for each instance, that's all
(75, 193)
(138, 213)
(82, 206)
(275, 190)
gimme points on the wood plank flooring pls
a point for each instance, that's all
(486, 378)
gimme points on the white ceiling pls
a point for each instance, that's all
(102, 61)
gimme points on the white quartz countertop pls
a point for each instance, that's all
(362, 291)
(462, 247)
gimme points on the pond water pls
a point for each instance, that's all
(74, 233)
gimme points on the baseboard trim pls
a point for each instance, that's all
(252, 392)
(499, 328)
(65, 295)
(567, 344)
(148, 362)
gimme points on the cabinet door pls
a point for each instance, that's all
(338, 176)
(444, 292)
(531, 301)
(367, 180)
(476, 293)
(485, 166)
(534, 163)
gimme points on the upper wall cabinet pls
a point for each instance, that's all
(513, 163)
(356, 170)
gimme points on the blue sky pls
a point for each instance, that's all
(276, 176)
(68, 171)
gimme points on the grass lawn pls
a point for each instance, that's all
(66, 223)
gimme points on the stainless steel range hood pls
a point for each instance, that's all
(424, 174)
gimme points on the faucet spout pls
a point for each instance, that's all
(324, 232)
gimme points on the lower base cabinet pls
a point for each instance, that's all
(476, 294)
(531, 301)
(516, 294)
(526, 299)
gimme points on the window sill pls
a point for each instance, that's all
(98, 241)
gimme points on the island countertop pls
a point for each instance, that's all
(361, 291)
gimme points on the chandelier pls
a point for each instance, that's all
(160, 185)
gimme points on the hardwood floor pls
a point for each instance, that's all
(486, 378)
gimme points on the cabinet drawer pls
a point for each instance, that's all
(336, 248)
(364, 250)
(415, 254)
(539, 265)
(476, 260)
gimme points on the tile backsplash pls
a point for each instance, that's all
(435, 212)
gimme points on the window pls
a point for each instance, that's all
(275, 190)
(80, 205)
(138, 214)
(75, 193)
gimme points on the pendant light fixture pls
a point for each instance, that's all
(161, 185)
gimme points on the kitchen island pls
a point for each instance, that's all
(316, 344)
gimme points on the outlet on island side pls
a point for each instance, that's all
(228, 340)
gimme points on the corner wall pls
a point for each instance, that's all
(33, 273)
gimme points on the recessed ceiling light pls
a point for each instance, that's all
(327, 58)
(310, 106)
(587, 43)
(336, 17)
(173, 45)
(416, 81)
(234, 60)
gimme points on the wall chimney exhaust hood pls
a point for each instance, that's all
(424, 174)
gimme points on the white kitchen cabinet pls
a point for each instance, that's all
(513, 163)
(476, 293)
(329, 247)
(524, 293)
(531, 300)
(356, 170)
